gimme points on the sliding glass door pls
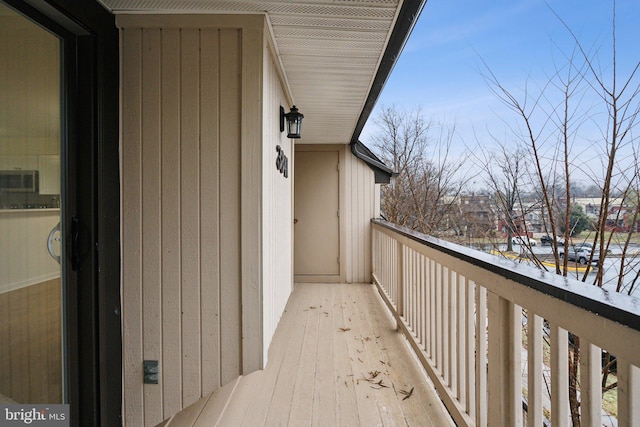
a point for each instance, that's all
(32, 283)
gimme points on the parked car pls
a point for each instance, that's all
(523, 240)
(579, 253)
(546, 240)
(586, 245)
(590, 247)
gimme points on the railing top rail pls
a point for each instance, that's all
(614, 306)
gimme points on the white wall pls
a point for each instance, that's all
(24, 257)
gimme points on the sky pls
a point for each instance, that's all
(520, 41)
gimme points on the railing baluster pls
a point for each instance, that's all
(431, 311)
(470, 297)
(444, 322)
(628, 394)
(438, 319)
(481, 356)
(399, 292)
(421, 302)
(590, 384)
(535, 369)
(414, 293)
(433, 302)
(461, 336)
(453, 342)
(515, 360)
(392, 262)
(408, 286)
(559, 376)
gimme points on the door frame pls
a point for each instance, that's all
(90, 155)
(340, 150)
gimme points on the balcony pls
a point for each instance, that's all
(489, 345)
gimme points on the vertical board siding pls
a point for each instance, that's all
(181, 201)
(210, 209)
(251, 320)
(189, 213)
(151, 292)
(230, 276)
(277, 210)
(360, 207)
(171, 254)
(131, 78)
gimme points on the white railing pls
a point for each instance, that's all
(475, 322)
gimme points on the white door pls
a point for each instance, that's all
(317, 223)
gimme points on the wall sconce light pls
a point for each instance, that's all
(293, 121)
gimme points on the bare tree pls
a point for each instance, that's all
(552, 121)
(423, 195)
(505, 171)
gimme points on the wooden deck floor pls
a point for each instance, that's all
(336, 360)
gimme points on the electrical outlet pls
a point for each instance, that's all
(151, 371)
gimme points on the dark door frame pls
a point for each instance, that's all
(91, 222)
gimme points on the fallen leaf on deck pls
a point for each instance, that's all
(373, 374)
(380, 385)
(407, 394)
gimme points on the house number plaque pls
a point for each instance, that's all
(282, 162)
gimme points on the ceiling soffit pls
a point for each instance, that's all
(330, 51)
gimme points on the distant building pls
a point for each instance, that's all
(479, 214)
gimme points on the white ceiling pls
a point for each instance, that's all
(330, 51)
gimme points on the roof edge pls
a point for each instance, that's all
(407, 18)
